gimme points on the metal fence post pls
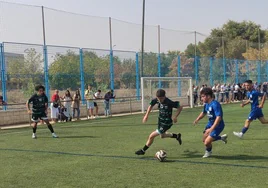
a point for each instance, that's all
(111, 70)
(46, 72)
(236, 71)
(259, 71)
(196, 69)
(224, 69)
(211, 71)
(82, 77)
(179, 75)
(3, 74)
(247, 69)
(137, 77)
(159, 69)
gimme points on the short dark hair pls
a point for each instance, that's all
(99, 90)
(1, 97)
(160, 93)
(249, 81)
(39, 87)
(207, 91)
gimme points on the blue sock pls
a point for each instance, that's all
(244, 130)
(209, 149)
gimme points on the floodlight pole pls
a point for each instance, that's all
(142, 37)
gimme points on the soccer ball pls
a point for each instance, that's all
(161, 155)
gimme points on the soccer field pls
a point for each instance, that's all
(100, 153)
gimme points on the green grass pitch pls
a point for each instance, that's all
(100, 153)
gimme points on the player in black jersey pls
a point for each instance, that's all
(39, 103)
(165, 119)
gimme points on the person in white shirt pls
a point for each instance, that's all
(236, 89)
(67, 98)
(222, 91)
(97, 96)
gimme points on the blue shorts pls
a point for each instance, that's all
(90, 105)
(217, 131)
(255, 114)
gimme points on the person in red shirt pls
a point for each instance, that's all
(55, 104)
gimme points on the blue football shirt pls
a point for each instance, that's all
(213, 110)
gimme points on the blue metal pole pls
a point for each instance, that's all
(112, 69)
(137, 77)
(259, 72)
(46, 72)
(179, 75)
(82, 77)
(247, 69)
(224, 69)
(211, 71)
(196, 70)
(236, 71)
(267, 71)
(3, 74)
(159, 69)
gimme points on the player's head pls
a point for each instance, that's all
(40, 89)
(206, 95)
(248, 85)
(161, 95)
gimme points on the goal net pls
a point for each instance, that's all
(177, 89)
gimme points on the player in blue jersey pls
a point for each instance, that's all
(256, 108)
(215, 126)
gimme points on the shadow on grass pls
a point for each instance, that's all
(196, 154)
(79, 137)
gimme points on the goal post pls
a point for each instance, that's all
(177, 89)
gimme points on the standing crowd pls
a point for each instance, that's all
(226, 93)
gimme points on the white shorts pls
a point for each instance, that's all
(90, 105)
(54, 112)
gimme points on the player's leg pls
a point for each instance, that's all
(263, 120)
(148, 143)
(208, 144)
(35, 120)
(246, 126)
(172, 135)
(49, 126)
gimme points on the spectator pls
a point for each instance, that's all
(195, 90)
(222, 91)
(202, 87)
(97, 96)
(109, 95)
(227, 91)
(76, 104)
(55, 104)
(2, 102)
(236, 90)
(90, 103)
(67, 98)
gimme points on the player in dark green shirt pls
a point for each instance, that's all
(39, 103)
(165, 119)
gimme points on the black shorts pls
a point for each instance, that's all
(95, 104)
(41, 116)
(163, 128)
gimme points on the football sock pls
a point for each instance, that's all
(244, 130)
(145, 148)
(174, 135)
(34, 129)
(49, 126)
(209, 149)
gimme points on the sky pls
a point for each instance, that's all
(23, 24)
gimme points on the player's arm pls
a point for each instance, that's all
(152, 103)
(263, 100)
(145, 118)
(201, 116)
(28, 105)
(179, 109)
(245, 103)
(216, 123)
